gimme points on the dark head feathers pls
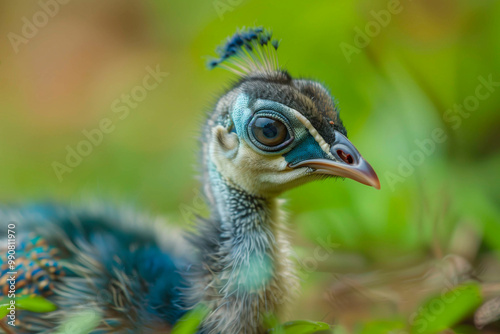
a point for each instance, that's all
(248, 51)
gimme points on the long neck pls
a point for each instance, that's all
(247, 272)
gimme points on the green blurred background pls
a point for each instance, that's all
(394, 91)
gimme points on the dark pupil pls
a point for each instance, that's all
(269, 132)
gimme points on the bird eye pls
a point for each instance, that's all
(269, 134)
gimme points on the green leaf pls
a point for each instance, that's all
(3, 309)
(82, 322)
(447, 309)
(299, 327)
(190, 322)
(382, 327)
(271, 321)
(36, 304)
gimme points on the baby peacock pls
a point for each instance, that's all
(125, 273)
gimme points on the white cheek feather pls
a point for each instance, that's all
(322, 143)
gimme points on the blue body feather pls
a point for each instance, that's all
(98, 260)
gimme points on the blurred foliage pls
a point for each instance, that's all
(453, 306)
(300, 327)
(32, 303)
(80, 322)
(394, 92)
(36, 304)
(190, 322)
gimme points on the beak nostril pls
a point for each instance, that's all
(346, 157)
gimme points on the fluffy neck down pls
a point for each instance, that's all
(245, 271)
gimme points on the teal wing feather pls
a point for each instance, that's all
(109, 265)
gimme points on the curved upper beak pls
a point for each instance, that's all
(348, 163)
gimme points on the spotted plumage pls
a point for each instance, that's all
(130, 273)
(116, 265)
(37, 267)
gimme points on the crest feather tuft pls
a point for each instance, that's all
(248, 51)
